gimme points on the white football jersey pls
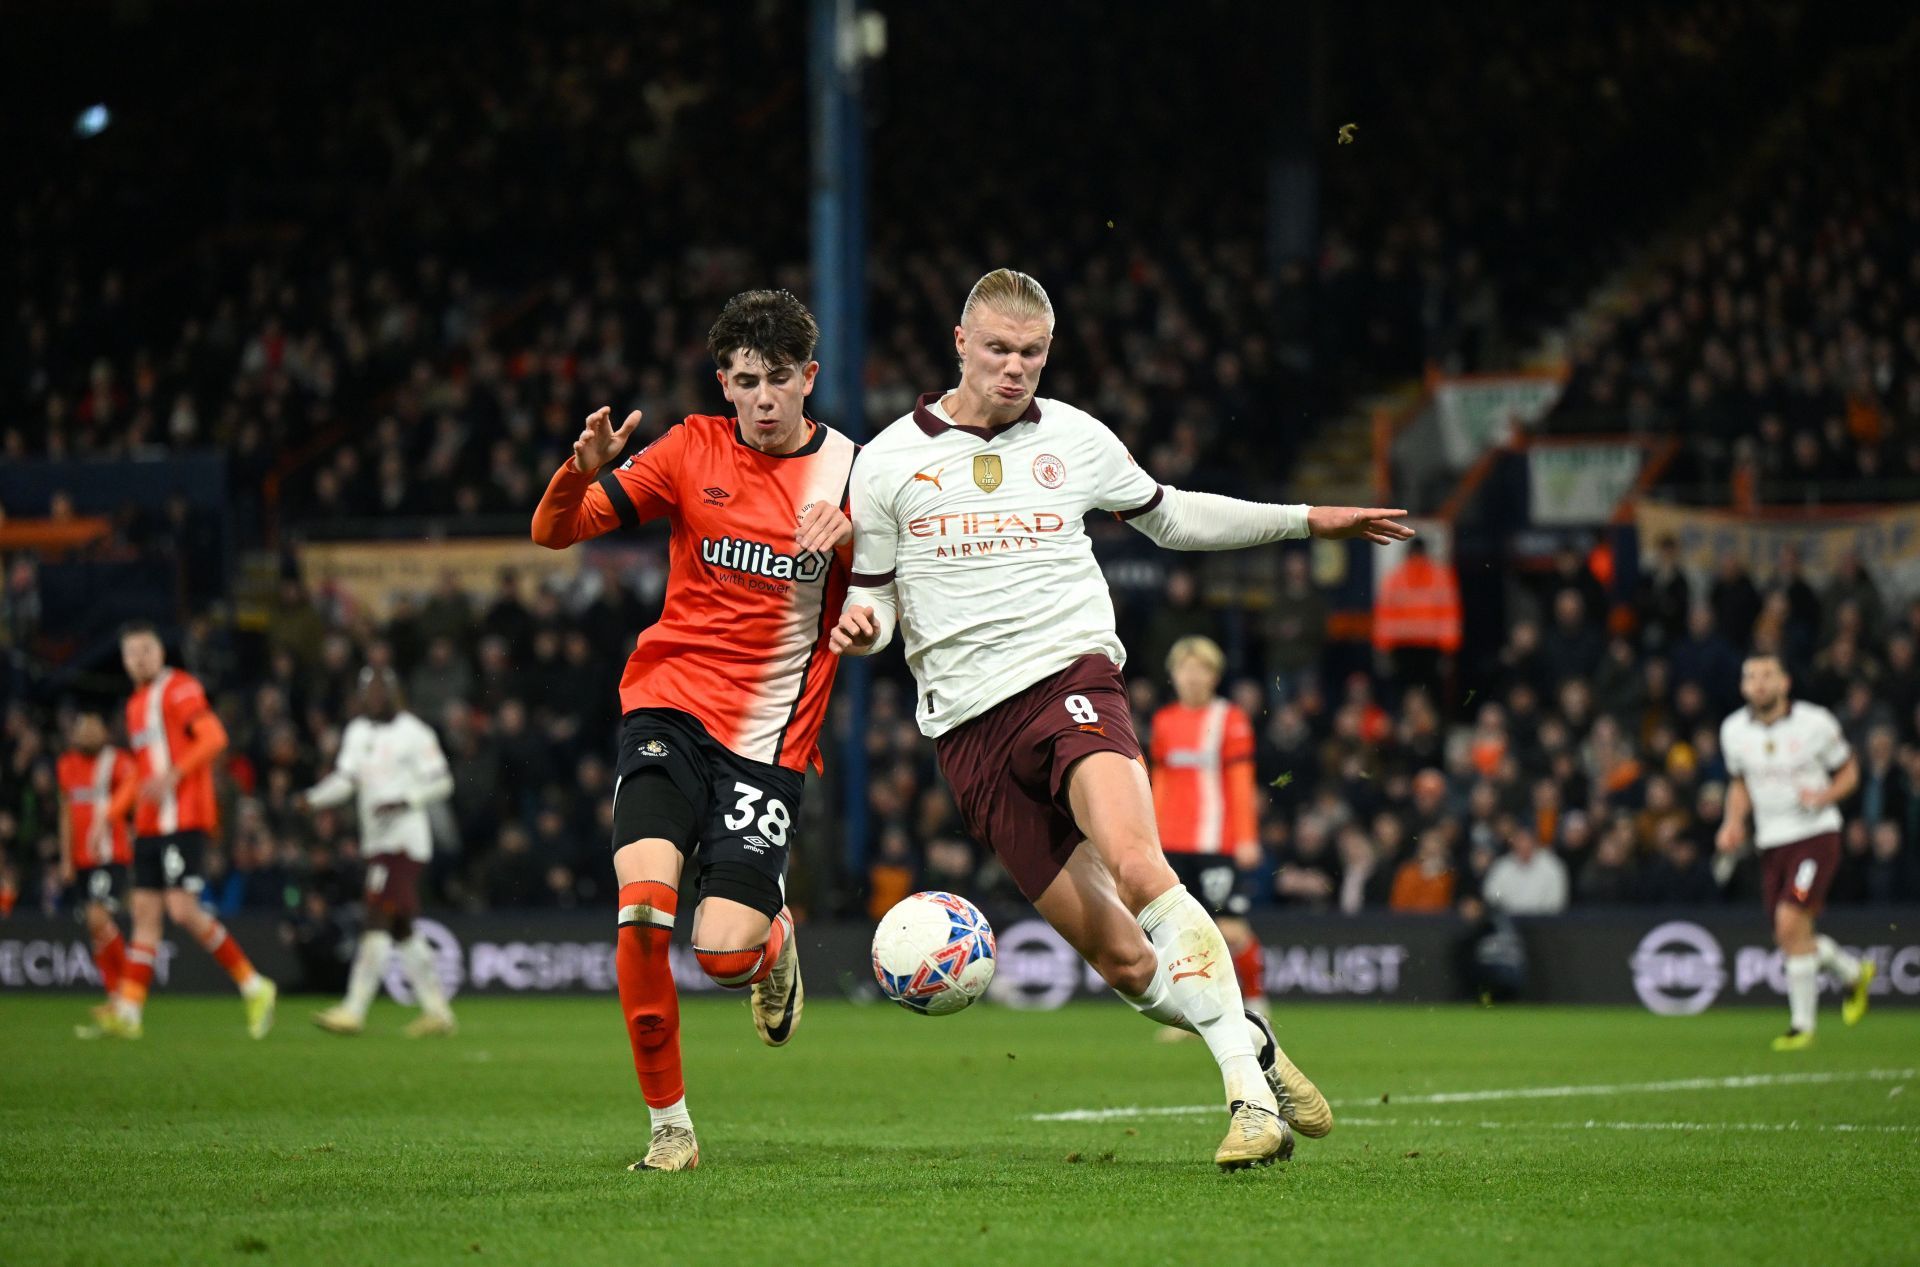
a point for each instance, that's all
(1801, 750)
(984, 537)
(383, 763)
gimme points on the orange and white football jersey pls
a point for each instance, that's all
(742, 642)
(161, 717)
(1203, 792)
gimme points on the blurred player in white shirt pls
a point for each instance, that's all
(1792, 767)
(392, 762)
(969, 535)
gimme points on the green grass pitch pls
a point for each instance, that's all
(881, 1137)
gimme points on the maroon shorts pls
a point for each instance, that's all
(1800, 872)
(1008, 766)
(393, 884)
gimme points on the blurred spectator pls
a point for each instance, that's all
(1295, 627)
(1416, 618)
(1425, 882)
(1526, 880)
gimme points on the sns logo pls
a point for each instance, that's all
(1678, 969)
(760, 559)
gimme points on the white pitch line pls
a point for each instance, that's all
(1591, 1124)
(1742, 1082)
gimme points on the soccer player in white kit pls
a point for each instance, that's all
(1792, 767)
(969, 537)
(390, 760)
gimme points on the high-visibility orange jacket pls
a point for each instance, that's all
(1418, 606)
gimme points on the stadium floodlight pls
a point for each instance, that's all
(92, 121)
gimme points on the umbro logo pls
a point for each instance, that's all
(716, 495)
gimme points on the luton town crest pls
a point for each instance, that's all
(986, 472)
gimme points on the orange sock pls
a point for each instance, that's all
(226, 952)
(110, 956)
(138, 975)
(647, 996)
(1250, 967)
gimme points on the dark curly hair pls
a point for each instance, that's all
(771, 323)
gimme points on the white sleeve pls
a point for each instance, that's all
(337, 788)
(876, 546)
(433, 778)
(1119, 485)
(1729, 753)
(1182, 520)
(1834, 749)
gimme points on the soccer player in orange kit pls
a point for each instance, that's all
(176, 736)
(94, 868)
(1203, 800)
(724, 696)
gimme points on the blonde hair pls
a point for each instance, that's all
(1201, 648)
(1006, 291)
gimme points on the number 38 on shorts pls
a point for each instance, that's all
(774, 818)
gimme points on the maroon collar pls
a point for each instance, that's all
(933, 424)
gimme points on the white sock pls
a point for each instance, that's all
(416, 956)
(369, 965)
(1842, 966)
(1803, 991)
(255, 984)
(674, 1114)
(1201, 985)
(1157, 1003)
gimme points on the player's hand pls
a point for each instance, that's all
(1246, 855)
(823, 526)
(159, 785)
(856, 632)
(388, 808)
(67, 871)
(1814, 798)
(599, 443)
(97, 840)
(1342, 523)
(1731, 836)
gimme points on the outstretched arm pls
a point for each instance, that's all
(571, 510)
(1183, 520)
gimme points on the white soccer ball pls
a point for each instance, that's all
(933, 953)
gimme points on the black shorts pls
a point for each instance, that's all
(105, 886)
(1212, 879)
(732, 815)
(171, 862)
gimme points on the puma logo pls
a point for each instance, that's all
(933, 479)
(1204, 971)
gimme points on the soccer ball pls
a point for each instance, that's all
(933, 953)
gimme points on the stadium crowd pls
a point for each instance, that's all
(407, 303)
(1572, 767)
(1783, 338)
(422, 359)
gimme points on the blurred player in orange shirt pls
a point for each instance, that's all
(175, 736)
(1203, 799)
(90, 771)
